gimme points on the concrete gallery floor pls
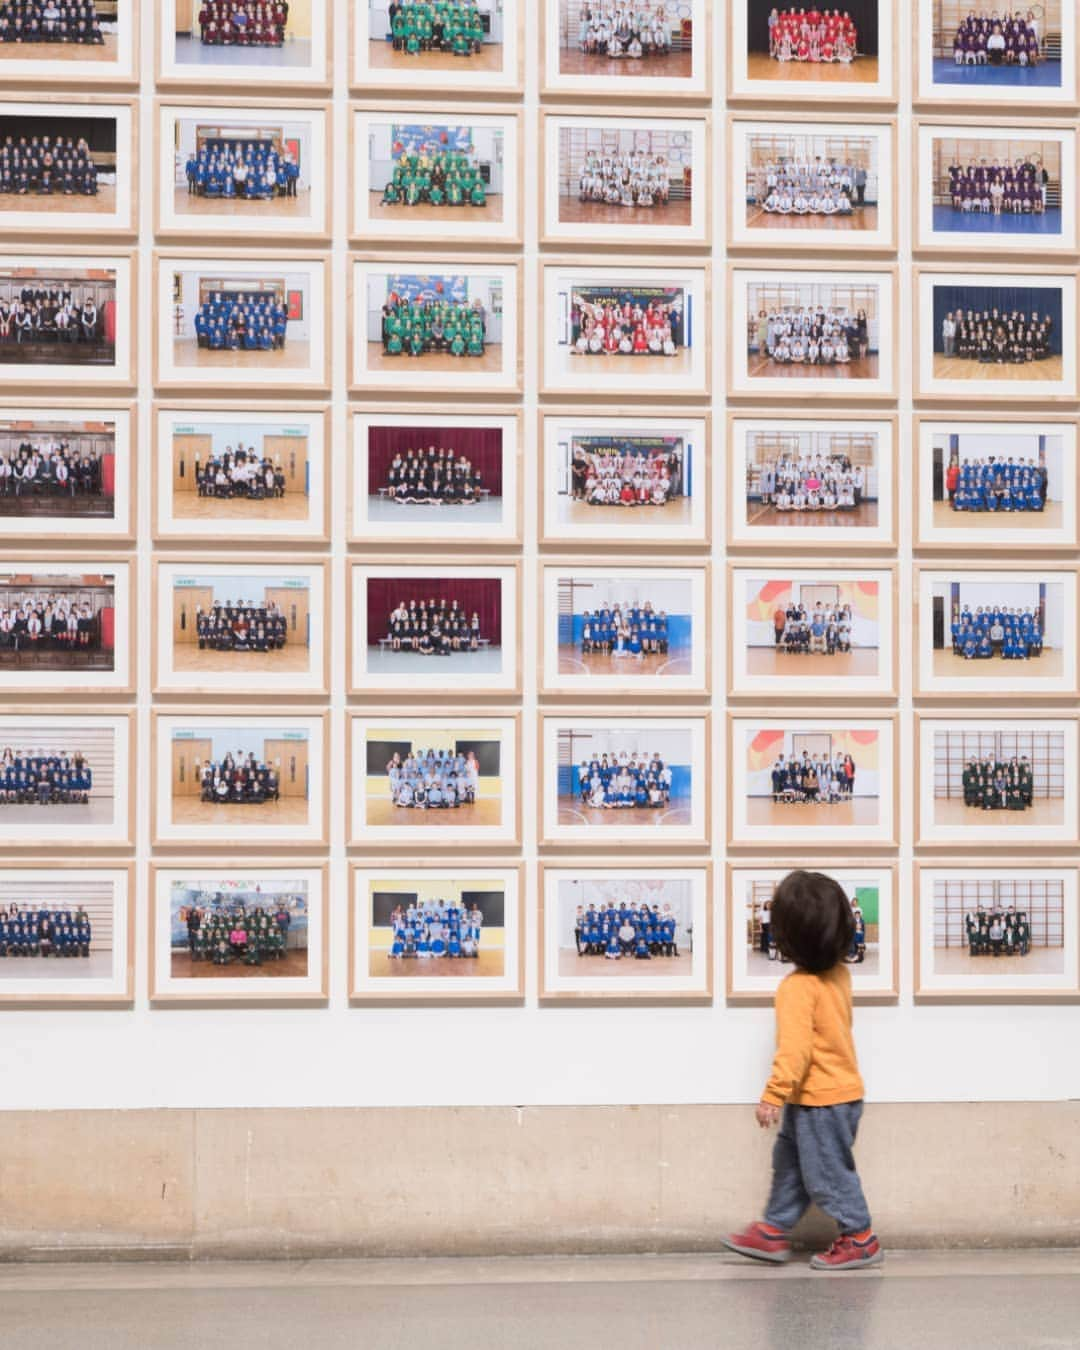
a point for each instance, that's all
(935, 1301)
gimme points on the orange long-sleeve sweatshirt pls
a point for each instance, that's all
(815, 1063)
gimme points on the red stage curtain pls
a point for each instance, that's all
(108, 311)
(108, 628)
(108, 475)
(483, 445)
(480, 595)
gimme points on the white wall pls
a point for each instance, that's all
(673, 747)
(1019, 595)
(486, 150)
(677, 894)
(1005, 444)
(671, 596)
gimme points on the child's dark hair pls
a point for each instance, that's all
(812, 922)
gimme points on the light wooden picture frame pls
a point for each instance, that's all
(296, 59)
(669, 957)
(465, 944)
(494, 69)
(111, 63)
(754, 965)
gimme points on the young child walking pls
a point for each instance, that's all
(815, 1090)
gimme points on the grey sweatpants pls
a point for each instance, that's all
(813, 1161)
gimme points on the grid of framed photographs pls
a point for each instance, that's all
(509, 511)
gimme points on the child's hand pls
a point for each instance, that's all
(767, 1115)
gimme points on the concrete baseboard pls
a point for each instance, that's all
(500, 1181)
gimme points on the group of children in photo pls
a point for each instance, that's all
(240, 473)
(420, 326)
(45, 932)
(53, 315)
(824, 629)
(433, 780)
(997, 40)
(793, 187)
(814, 35)
(239, 780)
(624, 29)
(432, 477)
(47, 164)
(47, 623)
(243, 23)
(992, 337)
(435, 929)
(436, 176)
(47, 778)
(227, 934)
(813, 335)
(418, 26)
(255, 170)
(1013, 634)
(230, 322)
(633, 631)
(813, 778)
(50, 21)
(766, 942)
(1009, 189)
(811, 483)
(622, 781)
(629, 178)
(997, 932)
(994, 484)
(49, 468)
(617, 930)
(243, 627)
(433, 628)
(609, 327)
(627, 477)
(991, 784)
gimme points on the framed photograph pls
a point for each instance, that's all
(431, 932)
(989, 185)
(607, 628)
(830, 331)
(242, 934)
(623, 482)
(609, 329)
(235, 628)
(473, 47)
(75, 924)
(1007, 932)
(613, 933)
(226, 780)
(222, 474)
(67, 167)
(268, 42)
(452, 628)
(829, 631)
(812, 781)
(67, 474)
(239, 323)
(425, 778)
(243, 170)
(973, 56)
(625, 180)
(999, 633)
(755, 966)
(67, 626)
(420, 174)
(791, 53)
(812, 484)
(996, 780)
(436, 326)
(641, 779)
(995, 336)
(67, 320)
(98, 45)
(812, 183)
(603, 50)
(429, 480)
(66, 780)
(995, 483)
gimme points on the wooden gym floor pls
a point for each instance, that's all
(863, 368)
(601, 364)
(634, 520)
(864, 219)
(190, 506)
(285, 811)
(1052, 517)
(807, 815)
(957, 368)
(760, 66)
(56, 203)
(294, 966)
(294, 658)
(489, 964)
(1050, 665)
(61, 51)
(97, 811)
(674, 66)
(277, 208)
(959, 961)
(864, 516)
(571, 812)
(491, 213)
(626, 968)
(295, 355)
(864, 662)
(436, 363)
(1043, 811)
(758, 964)
(488, 60)
(380, 812)
(572, 661)
(573, 211)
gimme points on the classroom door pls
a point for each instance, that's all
(186, 757)
(292, 759)
(293, 603)
(292, 452)
(185, 16)
(186, 600)
(185, 449)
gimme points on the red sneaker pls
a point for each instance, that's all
(852, 1251)
(761, 1242)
